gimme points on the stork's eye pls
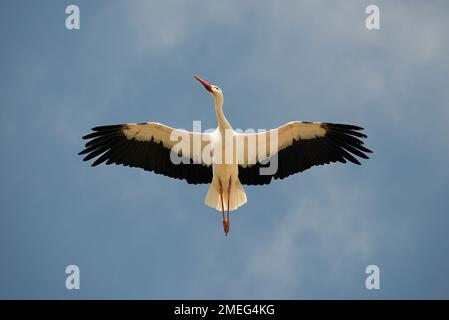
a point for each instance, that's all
(217, 88)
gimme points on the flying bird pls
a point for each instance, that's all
(202, 157)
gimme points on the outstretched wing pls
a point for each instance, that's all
(301, 145)
(149, 146)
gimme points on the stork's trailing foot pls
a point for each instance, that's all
(226, 226)
(228, 221)
(225, 222)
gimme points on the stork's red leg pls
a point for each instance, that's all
(228, 221)
(222, 210)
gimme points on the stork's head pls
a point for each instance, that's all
(213, 89)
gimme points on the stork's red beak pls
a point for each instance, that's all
(204, 83)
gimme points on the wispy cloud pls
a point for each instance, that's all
(332, 226)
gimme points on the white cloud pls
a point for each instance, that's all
(163, 26)
(332, 227)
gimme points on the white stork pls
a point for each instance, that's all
(298, 146)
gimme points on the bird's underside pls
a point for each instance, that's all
(293, 147)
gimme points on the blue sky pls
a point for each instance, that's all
(138, 235)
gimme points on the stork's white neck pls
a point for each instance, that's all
(223, 123)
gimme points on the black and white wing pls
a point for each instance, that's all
(301, 145)
(149, 146)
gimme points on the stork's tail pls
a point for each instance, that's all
(237, 198)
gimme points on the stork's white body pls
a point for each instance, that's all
(225, 178)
